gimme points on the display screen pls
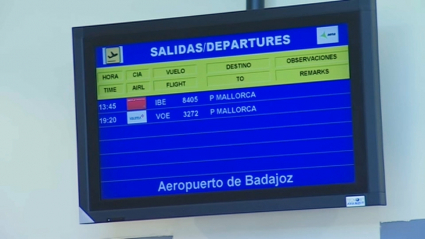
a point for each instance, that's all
(252, 111)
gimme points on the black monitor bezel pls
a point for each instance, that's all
(210, 25)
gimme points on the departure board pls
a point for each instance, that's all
(251, 111)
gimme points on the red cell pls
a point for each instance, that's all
(136, 103)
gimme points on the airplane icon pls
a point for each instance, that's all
(112, 55)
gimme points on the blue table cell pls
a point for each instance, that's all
(228, 152)
(218, 139)
(248, 94)
(240, 109)
(249, 108)
(228, 166)
(109, 106)
(112, 119)
(223, 124)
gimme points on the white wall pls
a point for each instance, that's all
(38, 174)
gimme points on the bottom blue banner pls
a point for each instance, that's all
(329, 175)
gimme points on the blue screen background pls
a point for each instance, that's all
(298, 135)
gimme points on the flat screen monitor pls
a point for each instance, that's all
(252, 111)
